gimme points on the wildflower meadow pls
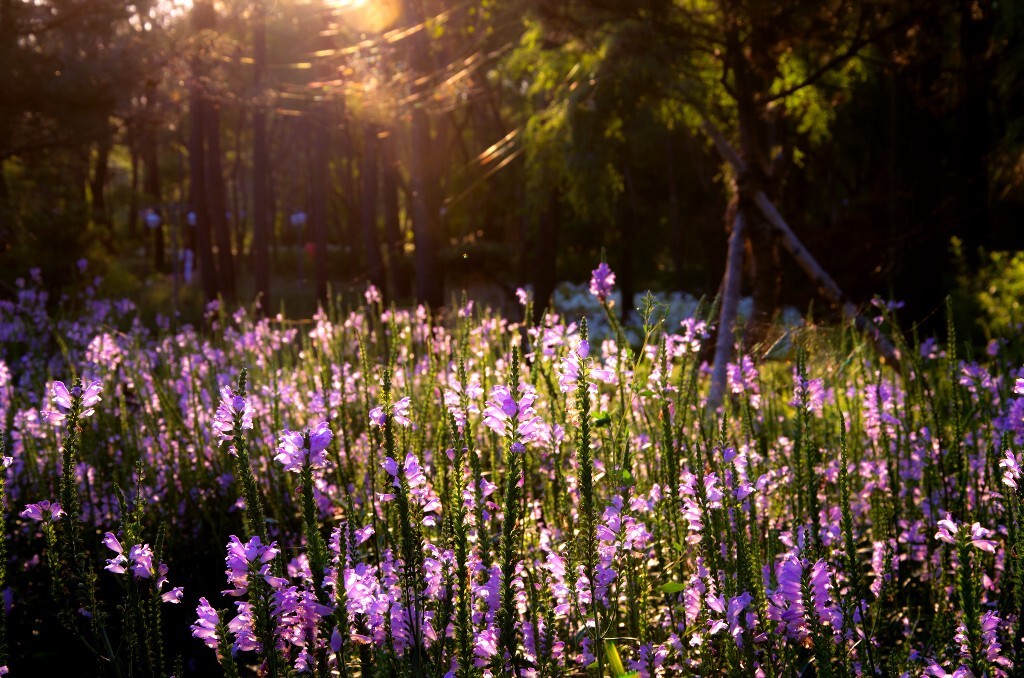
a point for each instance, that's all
(384, 491)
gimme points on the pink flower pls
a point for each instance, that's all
(64, 399)
(44, 511)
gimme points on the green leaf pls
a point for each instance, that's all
(673, 587)
(602, 419)
(614, 661)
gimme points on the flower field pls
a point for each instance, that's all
(380, 492)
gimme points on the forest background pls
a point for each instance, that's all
(250, 149)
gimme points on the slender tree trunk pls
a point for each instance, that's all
(368, 207)
(544, 256)
(398, 280)
(727, 314)
(428, 288)
(98, 186)
(429, 285)
(675, 226)
(153, 189)
(197, 190)
(6, 211)
(261, 165)
(761, 242)
(826, 286)
(215, 200)
(973, 126)
(237, 199)
(319, 202)
(133, 198)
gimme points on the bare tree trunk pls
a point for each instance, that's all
(727, 314)
(152, 185)
(827, 287)
(215, 199)
(428, 288)
(973, 124)
(133, 198)
(197, 190)
(368, 208)
(398, 281)
(319, 202)
(766, 272)
(98, 186)
(260, 163)
(544, 256)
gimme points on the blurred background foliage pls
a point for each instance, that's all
(430, 146)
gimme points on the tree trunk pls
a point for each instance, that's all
(753, 133)
(973, 126)
(398, 280)
(727, 314)
(765, 272)
(133, 198)
(197, 190)
(319, 215)
(543, 261)
(98, 186)
(152, 189)
(368, 208)
(260, 164)
(215, 200)
(827, 287)
(428, 288)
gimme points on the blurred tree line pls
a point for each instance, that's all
(428, 145)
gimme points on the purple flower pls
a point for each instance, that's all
(205, 627)
(400, 410)
(1011, 476)
(601, 281)
(44, 511)
(377, 416)
(979, 539)
(251, 557)
(141, 556)
(64, 400)
(117, 563)
(231, 406)
(173, 596)
(809, 393)
(990, 624)
(949, 530)
(821, 587)
(295, 448)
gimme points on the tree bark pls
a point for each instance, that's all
(133, 198)
(260, 163)
(368, 208)
(827, 287)
(197, 190)
(151, 182)
(973, 126)
(544, 256)
(428, 288)
(319, 216)
(215, 200)
(727, 314)
(98, 186)
(398, 280)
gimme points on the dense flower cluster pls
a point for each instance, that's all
(490, 498)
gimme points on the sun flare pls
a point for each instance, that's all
(367, 16)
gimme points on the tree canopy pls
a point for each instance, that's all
(240, 148)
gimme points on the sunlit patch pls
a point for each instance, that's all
(367, 16)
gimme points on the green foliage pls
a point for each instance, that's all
(996, 289)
